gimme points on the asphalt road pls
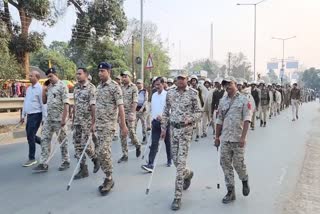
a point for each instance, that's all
(274, 158)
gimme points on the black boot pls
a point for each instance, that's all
(106, 186)
(138, 151)
(230, 196)
(176, 204)
(264, 124)
(261, 123)
(65, 165)
(83, 172)
(187, 181)
(96, 163)
(245, 188)
(123, 159)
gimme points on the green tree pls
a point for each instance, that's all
(239, 66)
(9, 67)
(273, 77)
(311, 78)
(22, 41)
(204, 64)
(152, 45)
(65, 67)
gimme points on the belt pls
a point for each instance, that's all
(179, 125)
(35, 113)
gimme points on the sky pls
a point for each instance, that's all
(184, 25)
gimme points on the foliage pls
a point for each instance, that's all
(311, 78)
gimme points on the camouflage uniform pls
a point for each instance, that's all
(130, 96)
(180, 106)
(109, 97)
(57, 97)
(232, 122)
(84, 97)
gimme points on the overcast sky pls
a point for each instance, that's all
(188, 22)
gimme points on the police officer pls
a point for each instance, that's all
(84, 121)
(194, 85)
(265, 104)
(182, 110)
(55, 95)
(295, 98)
(255, 93)
(130, 100)
(233, 119)
(141, 108)
(109, 103)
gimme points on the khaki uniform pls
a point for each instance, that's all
(84, 98)
(179, 106)
(109, 97)
(142, 111)
(57, 97)
(232, 113)
(130, 96)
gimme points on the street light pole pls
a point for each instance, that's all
(255, 34)
(283, 42)
(142, 44)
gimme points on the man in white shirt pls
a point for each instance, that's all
(33, 110)
(158, 102)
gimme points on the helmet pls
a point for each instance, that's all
(193, 77)
(208, 80)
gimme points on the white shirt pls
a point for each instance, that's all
(158, 102)
(33, 100)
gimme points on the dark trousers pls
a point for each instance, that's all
(155, 137)
(33, 124)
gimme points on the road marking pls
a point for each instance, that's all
(283, 174)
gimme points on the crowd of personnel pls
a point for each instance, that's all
(176, 110)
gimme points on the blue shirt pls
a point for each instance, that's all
(33, 100)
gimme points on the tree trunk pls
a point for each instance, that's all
(25, 24)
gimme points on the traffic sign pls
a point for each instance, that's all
(149, 62)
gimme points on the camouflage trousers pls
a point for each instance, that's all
(49, 128)
(142, 117)
(132, 135)
(232, 156)
(103, 149)
(80, 136)
(180, 143)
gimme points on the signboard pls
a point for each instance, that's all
(149, 62)
(292, 64)
(272, 65)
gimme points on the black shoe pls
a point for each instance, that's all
(41, 168)
(65, 165)
(297, 117)
(261, 123)
(264, 124)
(148, 129)
(176, 204)
(83, 172)
(107, 185)
(96, 163)
(148, 168)
(138, 151)
(123, 159)
(169, 163)
(203, 135)
(230, 196)
(245, 188)
(38, 140)
(197, 138)
(252, 128)
(144, 138)
(187, 181)
(270, 116)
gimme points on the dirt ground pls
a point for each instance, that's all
(305, 199)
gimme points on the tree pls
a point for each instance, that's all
(152, 45)
(311, 78)
(204, 64)
(22, 42)
(9, 67)
(273, 77)
(239, 66)
(65, 67)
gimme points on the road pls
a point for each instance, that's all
(274, 158)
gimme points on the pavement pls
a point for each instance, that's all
(274, 158)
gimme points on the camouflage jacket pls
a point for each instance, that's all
(84, 96)
(130, 96)
(109, 97)
(232, 113)
(180, 106)
(57, 96)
